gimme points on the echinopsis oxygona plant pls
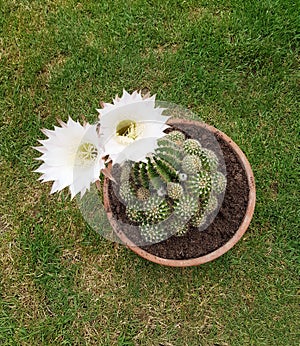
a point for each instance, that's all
(177, 187)
(168, 182)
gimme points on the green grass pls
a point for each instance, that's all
(235, 64)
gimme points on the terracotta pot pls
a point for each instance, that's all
(220, 251)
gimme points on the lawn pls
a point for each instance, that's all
(235, 64)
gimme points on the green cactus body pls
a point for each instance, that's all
(174, 161)
(170, 152)
(181, 231)
(173, 151)
(153, 176)
(135, 213)
(125, 172)
(200, 183)
(186, 207)
(167, 144)
(126, 191)
(143, 176)
(152, 233)
(191, 164)
(212, 204)
(135, 174)
(192, 146)
(164, 169)
(211, 158)
(199, 219)
(219, 182)
(180, 227)
(176, 137)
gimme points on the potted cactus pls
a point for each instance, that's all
(189, 202)
(177, 192)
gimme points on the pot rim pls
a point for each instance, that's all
(224, 248)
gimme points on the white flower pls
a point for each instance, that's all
(72, 157)
(131, 126)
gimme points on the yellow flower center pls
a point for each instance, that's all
(86, 154)
(128, 131)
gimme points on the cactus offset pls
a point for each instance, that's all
(219, 182)
(192, 146)
(186, 207)
(156, 209)
(134, 212)
(211, 158)
(152, 233)
(200, 183)
(191, 164)
(176, 137)
(174, 190)
(126, 192)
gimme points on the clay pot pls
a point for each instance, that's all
(221, 250)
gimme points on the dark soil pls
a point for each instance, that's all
(199, 243)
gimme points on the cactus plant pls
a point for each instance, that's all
(176, 188)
